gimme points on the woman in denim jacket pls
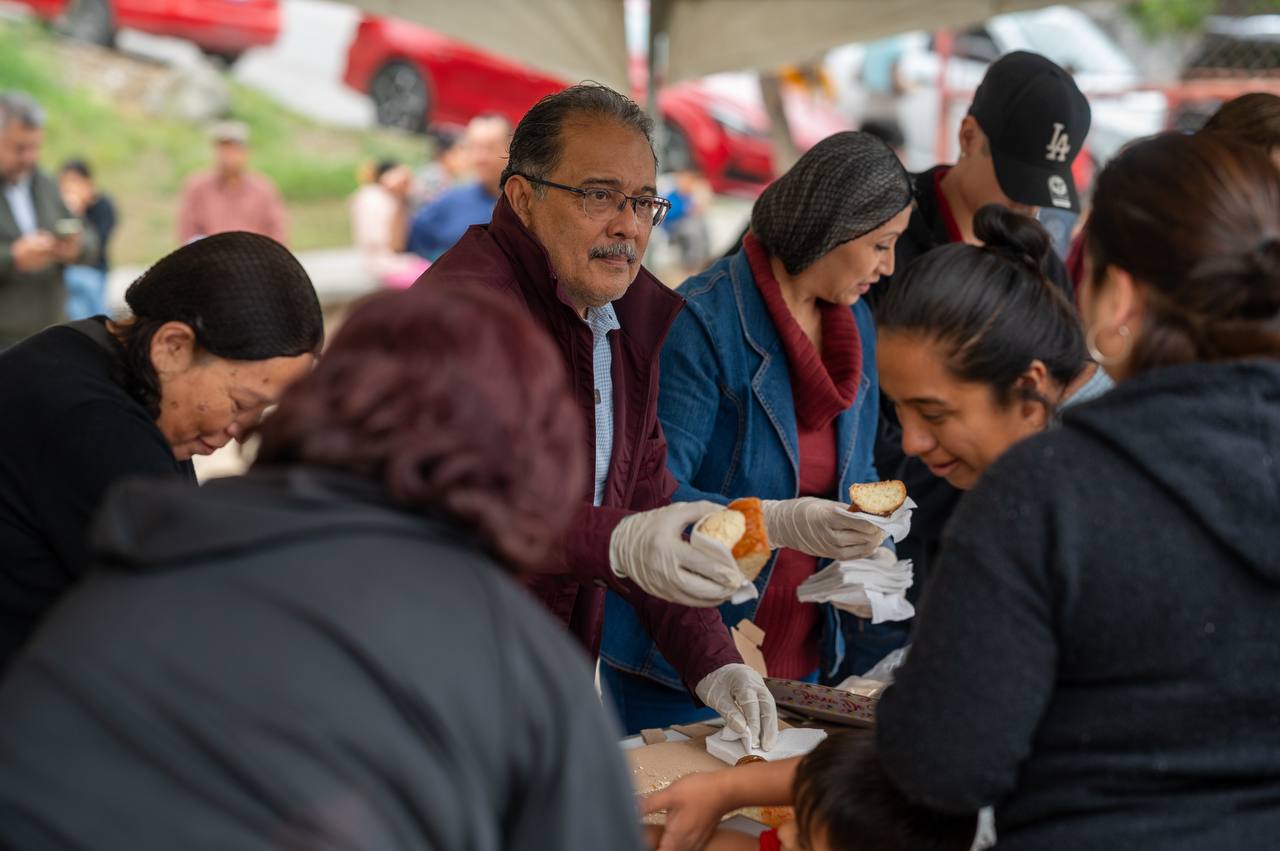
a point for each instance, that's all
(769, 389)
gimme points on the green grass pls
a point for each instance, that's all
(142, 160)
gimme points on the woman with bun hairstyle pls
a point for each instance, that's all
(1094, 654)
(215, 331)
(978, 349)
(769, 390)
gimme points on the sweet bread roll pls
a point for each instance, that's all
(879, 498)
(740, 527)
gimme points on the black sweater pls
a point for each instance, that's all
(1098, 653)
(283, 661)
(68, 431)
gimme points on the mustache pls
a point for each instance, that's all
(618, 249)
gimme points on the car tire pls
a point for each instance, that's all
(400, 96)
(676, 153)
(89, 20)
(225, 58)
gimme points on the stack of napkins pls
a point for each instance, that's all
(874, 587)
(728, 747)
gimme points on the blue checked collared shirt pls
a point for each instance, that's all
(602, 320)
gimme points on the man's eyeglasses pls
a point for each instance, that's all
(601, 203)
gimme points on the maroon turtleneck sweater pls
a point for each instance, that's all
(823, 386)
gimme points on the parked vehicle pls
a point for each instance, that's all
(1123, 107)
(1233, 56)
(221, 28)
(419, 78)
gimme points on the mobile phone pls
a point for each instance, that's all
(67, 228)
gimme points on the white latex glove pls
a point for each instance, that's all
(739, 694)
(820, 527)
(648, 548)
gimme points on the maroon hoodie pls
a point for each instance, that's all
(505, 256)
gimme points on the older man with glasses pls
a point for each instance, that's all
(570, 228)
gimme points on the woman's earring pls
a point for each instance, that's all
(1091, 341)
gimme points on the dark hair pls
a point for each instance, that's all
(1253, 118)
(537, 143)
(886, 130)
(1196, 220)
(244, 296)
(456, 402)
(843, 795)
(382, 167)
(76, 165)
(443, 140)
(992, 306)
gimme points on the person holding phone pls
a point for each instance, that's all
(95, 211)
(32, 251)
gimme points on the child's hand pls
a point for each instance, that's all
(694, 807)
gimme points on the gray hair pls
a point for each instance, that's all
(19, 107)
(536, 145)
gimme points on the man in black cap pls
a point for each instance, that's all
(1027, 123)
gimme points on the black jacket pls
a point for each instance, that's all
(68, 431)
(281, 661)
(1097, 653)
(935, 497)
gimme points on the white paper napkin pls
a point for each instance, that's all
(897, 525)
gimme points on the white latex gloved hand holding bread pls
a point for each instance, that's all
(649, 549)
(828, 529)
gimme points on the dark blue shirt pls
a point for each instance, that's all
(438, 225)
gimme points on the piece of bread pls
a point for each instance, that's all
(740, 527)
(879, 498)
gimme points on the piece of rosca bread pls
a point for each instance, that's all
(879, 498)
(740, 527)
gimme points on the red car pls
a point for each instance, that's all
(419, 78)
(221, 28)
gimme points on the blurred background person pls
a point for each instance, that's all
(442, 222)
(87, 285)
(230, 196)
(447, 166)
(215, 332)
(379, 223)
(686, 226)
(331, 651)
(38, 234)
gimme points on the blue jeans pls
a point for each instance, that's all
(643, 704)
(86, 291)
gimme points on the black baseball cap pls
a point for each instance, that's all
(1036, 120)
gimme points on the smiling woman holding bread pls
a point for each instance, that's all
(769, 390)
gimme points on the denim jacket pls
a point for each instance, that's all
(726, 406)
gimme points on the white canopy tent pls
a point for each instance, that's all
(586, 39)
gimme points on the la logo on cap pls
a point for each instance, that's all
(1060, 145)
